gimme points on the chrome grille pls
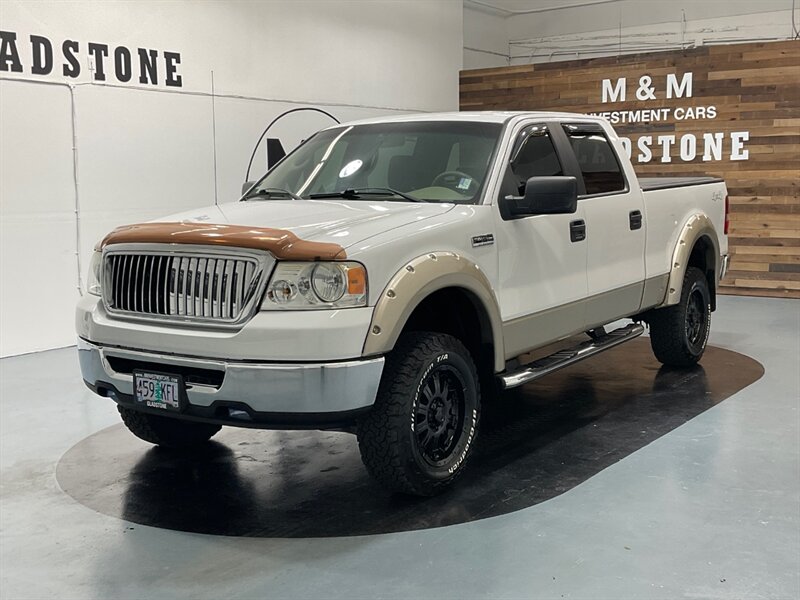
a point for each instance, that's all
(213, 287)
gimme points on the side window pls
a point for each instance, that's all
(597, 160)
(534, 157)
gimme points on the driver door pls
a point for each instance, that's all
(542, 258)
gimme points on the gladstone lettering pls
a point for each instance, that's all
(105, 63)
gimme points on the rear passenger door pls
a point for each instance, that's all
(615, 230)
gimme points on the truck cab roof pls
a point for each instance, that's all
(477, 116)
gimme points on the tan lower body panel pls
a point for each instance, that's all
(527, 333)
(655, 290)
(548, 326)
(613, 304)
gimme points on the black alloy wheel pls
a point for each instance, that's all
(439, 414)
(695, 320)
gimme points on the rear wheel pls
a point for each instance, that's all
(166, 431)
(420, 432)
(678, 334)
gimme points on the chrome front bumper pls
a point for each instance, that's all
(239, 390)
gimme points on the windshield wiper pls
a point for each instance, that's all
(268, 192)
(353, 194)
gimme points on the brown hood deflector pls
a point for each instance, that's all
(281, 243)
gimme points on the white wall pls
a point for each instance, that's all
(144, 151)
(548, 31)
(485, 39)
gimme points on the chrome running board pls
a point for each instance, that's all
(569, 356)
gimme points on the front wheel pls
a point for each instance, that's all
(678, 334)
(419, 434)
(166, 431)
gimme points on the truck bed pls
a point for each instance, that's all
(669, 203)
(665, 183)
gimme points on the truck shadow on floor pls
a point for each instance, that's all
(536, 442)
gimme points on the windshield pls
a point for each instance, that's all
(430, 161)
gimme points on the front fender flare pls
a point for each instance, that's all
(419, 278)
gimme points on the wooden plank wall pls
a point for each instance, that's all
(754, 88)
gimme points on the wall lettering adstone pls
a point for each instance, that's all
(38, 55)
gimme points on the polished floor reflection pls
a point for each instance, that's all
(536, 442)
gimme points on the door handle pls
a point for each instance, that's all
(577, 231)
(635, 219)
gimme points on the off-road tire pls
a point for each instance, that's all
(671, 328)
(389, 436)
(166, 431)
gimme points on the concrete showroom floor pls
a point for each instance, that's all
(709, 507)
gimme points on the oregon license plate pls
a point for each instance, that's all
(158, 390)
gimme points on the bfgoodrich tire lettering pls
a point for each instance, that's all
(418, 437)
(166, 431)
(678, 334)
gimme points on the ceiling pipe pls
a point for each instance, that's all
(529, 11)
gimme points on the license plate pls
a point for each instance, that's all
(158, 390)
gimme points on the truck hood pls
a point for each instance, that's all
(343, 222)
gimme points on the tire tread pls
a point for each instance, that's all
(383, 452)
(667, 328)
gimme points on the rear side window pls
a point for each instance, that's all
(597, 160)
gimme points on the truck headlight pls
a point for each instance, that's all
(304, 285)
(94, 278)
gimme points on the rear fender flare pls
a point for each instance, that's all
(695, 228)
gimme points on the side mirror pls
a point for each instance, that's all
(246, 186)
(543, 196)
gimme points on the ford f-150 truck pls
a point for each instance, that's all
(388, 276)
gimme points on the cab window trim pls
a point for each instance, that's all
(521, 138)
(593, 128)
(525, 134)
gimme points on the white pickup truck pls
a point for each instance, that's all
(388, 276)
